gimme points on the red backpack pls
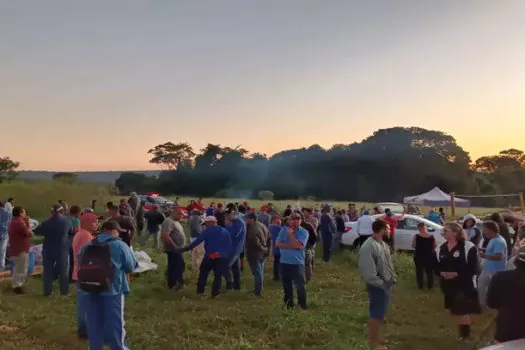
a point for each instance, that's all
(95, 270)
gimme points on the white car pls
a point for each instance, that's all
(33, 224)
(512, 345)
(405, 231)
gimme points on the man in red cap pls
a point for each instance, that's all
(88, 227)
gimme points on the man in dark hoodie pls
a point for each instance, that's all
(237, 229)
(258, 243)
(505, 293)
(55, 250)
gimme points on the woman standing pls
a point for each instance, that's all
(473, 233)
(424, 244)
(457, 264)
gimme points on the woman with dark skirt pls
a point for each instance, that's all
(457, 264)
(424, 245)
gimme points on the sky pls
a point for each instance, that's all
(92, 85)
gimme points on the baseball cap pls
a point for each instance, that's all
(110, 226)
(251, 215)
(210, 219)
(88, 217)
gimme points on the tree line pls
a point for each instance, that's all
(388, 165)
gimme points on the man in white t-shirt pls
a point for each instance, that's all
(8, 206)
(364, 228)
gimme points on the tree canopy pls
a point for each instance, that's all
(8, 169)
(388, 165)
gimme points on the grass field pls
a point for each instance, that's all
(160, 319)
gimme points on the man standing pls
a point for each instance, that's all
(391, 220)
(328, 231)
(19, 236)
(125, 224)
(154, 219)
(309, 218)
(55, 250)
(8, 206)
(309, 249)
(88, 228)
(291, 243)
(174, 238)
(275, 228)
(105, 310)
(258, 243)
(353, 213)
(377, 269)
(364, 228)
(264, 218)
(217, 248)
(237, 229)
(74, 217)
(140, 217)
(5, 219)
(125, 209)
(197, 253)
(495, 258)
(505, 293)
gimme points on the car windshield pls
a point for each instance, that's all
(395, 208)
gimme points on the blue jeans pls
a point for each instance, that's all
(257, 268)
(105, 321)
(220, 269)
(56, 263)
(81, 312)
(233, 277)
(291, 275)
(3, 250)
(175, 270)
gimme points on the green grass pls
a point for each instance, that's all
(160, 319)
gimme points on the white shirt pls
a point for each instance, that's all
(364, 225)
(8, 207)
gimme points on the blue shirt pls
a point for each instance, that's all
(293, 256)
(435, 218)
(497, 245)
(56, 231)
(5, 218)
(209, 212)
(274, 232)
(123, 262)
(216, 240)
(237, 229)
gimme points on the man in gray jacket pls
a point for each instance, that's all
(258, 245)
(377, 269)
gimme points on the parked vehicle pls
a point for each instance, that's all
(511, 345)
(405, 231)
(396, 208)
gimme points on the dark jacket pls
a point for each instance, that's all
(505, 293)
(56, 231)
(327, 225)
(258, 241)
(312, 235)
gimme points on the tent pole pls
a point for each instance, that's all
(522, 204)
(453, 205)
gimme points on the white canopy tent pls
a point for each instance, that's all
(434, 198)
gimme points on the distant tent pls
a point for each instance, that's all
(436, 198)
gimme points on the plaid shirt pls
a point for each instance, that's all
(5, 218)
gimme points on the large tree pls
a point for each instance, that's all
(8, 169)
(171, 156)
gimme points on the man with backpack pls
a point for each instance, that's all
(88, 227)
(104, 264)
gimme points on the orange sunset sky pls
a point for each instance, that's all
(93, 85)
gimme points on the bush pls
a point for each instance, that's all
(266, 195)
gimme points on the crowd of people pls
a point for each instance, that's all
(474, 266)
